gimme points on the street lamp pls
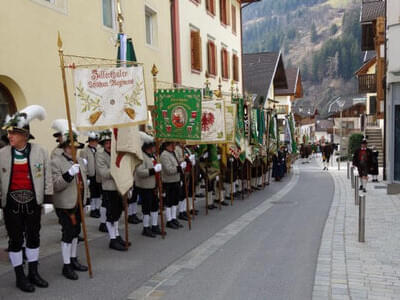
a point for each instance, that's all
(340, 104)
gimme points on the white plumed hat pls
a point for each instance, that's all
(20, 120)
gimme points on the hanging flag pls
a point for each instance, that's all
(292, 131)
(126, 152)
(179, 114)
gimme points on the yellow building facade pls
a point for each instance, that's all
(29, 61)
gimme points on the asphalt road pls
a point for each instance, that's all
(273, 257)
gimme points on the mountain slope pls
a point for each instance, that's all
(322, 37)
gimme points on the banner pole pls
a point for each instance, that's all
(71, 138)
(193, 190)
(187, 201)
(154, 72)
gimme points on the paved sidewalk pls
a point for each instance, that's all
(348, 269)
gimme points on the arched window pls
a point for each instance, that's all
(7, 105)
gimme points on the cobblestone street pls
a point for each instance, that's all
(348, 269)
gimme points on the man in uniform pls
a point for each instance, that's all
(145, 185)
(89, 154)
(112, 200)
(25, 181)
(66, 174)
(171, 178)
(362, 159)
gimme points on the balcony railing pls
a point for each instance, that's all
(282, 109)
(367, 83)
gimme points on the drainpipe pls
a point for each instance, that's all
(175, 38)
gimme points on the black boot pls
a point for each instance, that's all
(195, 212)
(34, 276)
(103, 227)
(183, 216)
(361, 188)
(114, 244)
(223, 203)
(172, 225)
(156, 230)
(95, 213)
(122, 242)
(176, 222)
(148, 232)
(211, 206)
(22, 281)
(69, 273)
(77, 266)
(133, 219)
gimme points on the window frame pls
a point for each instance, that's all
(234, 19)
(113, 16)
(196, 68)
(210, 10)
(235, 67)
(148, 11)
(223, 12)
(224, 63)
(212, 63)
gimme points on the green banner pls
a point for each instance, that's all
(178, 114)
(239, 130)
(254, 127)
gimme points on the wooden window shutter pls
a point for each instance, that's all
(233, 15)
(227, 64)
(197, 59)
(192, 50)
(209, 57)
(215, 59)
(212, 6)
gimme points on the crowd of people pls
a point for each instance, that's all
(30, 177)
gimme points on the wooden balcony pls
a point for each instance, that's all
(282, 109)
(367, 83)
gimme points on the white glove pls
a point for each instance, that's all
(157, 168)
(205, 155)
(85, 162)
(183, 165)
(219, 156)
(74, 170)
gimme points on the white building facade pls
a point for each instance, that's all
(207, 40)
(393, 96)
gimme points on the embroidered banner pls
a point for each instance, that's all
(110, 97)
(178, 114)
(213, 122)
(230, 122)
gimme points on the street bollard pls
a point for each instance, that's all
(352, 177)
(356, 186)
(348, 170)
(361, 219)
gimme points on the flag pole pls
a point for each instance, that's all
(193, 190)
(154, 72)
(231, 187)
(71, 138)
(187, 200)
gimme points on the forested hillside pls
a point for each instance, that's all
(322, 37)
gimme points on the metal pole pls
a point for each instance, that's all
(341, 138)
(352, 177)
(348, 170)
(356, 185)
(361, 220)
